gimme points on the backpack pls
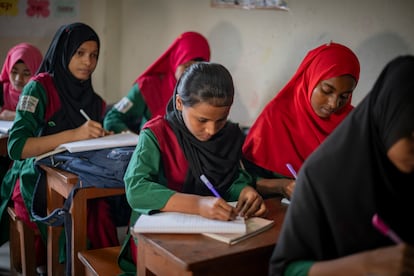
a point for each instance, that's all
(103, 168)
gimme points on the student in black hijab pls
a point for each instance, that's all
(47, 115)
(365, 167)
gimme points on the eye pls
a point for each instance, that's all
(202, 120)
(345, 96)
(79, 53)
(326, 89)
(94, 55)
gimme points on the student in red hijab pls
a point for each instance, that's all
(21, 63)
(301, 116)
(152, 90)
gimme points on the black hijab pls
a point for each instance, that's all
(74, 94)
(349, 178)
(217, 158)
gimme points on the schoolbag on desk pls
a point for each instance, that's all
(103, 168)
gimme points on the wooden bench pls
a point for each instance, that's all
(103, 261)
(22, 246)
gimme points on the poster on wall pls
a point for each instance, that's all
(36, 18)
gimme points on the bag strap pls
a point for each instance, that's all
(58, 216)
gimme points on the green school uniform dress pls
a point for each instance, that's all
(148, 188)
(27, 124)
(131, 112)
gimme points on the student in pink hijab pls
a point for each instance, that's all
(152, 90)
(21, 64)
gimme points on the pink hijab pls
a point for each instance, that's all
(157, 82)
(31, 56)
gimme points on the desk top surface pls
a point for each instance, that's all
(193, 249)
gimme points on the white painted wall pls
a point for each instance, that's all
(261, 48)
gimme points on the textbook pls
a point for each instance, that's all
(255, 225)
(110, 141)
(5, 126)
(174, 222)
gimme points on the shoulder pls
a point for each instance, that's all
(157, 123)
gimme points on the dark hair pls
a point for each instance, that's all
(206, 82)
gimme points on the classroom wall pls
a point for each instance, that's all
(261, 48)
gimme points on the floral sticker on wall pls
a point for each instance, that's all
(38, 8)
(9, 7)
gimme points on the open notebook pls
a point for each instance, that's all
(109, 141)
(173, 222)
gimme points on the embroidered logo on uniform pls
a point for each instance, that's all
(28, 103)
(123, 105)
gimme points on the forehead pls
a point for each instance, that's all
(89, 45)
(20, 66)
(208, 111)
(342, 83)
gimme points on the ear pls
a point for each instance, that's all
(178, 103)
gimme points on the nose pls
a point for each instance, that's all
(18, 77)
(333, 101)
(87, 60)
(211, 128)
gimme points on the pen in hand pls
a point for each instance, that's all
(292, 170)
(381, 226)
(84, 115)
(105, 132)
(209, 185)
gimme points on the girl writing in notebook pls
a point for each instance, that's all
(301, 116)
(364, 169)
(153, 89)
(47, 115)
(193, 139)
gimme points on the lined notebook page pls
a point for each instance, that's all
(173, 222)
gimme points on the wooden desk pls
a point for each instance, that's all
(3, 144)
(195, 254)
(59, 185)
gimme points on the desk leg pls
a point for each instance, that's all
(79, 214)
(141, 268)
(143, 248)
(54, 200)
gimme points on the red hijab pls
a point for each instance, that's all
(288, 129)
(157, 82)
(31, 56)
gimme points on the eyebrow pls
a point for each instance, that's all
(327, 84)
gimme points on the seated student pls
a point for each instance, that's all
(21, 63)
(301, 116)
(194, 138)
(48, 115)
(365, 167)
(153, 89)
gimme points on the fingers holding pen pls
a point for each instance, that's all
(94, 129)
(216, 208)
(91, 129)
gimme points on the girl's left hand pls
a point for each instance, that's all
(250, 203)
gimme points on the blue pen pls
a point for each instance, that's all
(209, 185)
(292, 170)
